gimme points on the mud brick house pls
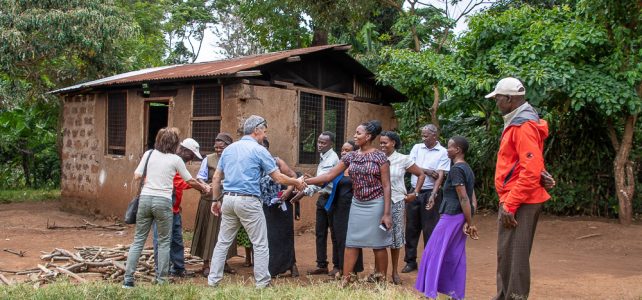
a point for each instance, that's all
(109, 123)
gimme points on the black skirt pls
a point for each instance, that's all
(280, 226)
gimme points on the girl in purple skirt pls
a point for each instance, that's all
(443, 263)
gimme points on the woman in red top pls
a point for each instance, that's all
(370, 221)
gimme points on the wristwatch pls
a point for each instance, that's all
(416, 194)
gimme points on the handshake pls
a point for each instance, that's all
(300, 183)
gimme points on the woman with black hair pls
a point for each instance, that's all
(370, 220)
(399, 165)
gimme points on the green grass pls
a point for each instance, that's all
(28, 195)
(100, 290)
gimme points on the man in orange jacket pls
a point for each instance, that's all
(519, 180)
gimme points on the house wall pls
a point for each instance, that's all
(94, 182)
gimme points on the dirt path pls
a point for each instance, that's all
(605, 266)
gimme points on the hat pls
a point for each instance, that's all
(508, 86)
(192, 145)
(224, 137)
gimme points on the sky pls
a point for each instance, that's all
(210, 52)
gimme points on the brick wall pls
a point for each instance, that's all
(80, 166)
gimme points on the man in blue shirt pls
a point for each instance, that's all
(240, 167)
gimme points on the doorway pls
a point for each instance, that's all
(157, 117)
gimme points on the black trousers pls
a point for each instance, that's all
(324, 221)
(418, 221)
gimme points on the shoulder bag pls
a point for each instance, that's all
(132, 208)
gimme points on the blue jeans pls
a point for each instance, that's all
(176, 249)
(151, 209)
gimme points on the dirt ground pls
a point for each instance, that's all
(607, 265)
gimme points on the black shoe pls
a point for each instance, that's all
(182, 274)
(128, 284)
(409, 268)
(318, 271)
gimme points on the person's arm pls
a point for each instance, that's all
(286, 180)
(387, 200)
(182, 170)
(531, 162)
(217, 192)
(284, 168)
(421, 177)
(464, 202)
(435, 189)
(203, 171)
(330, 175)
(474, 201)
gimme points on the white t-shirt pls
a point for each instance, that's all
(161, 169)
(399, 163)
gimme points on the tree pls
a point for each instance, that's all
(235, 40)
(184, 27)
(44, 45)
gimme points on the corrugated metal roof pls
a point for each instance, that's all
(219, 68)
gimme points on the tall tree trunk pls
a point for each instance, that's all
(623, 169)
(320, 37)
(435, 106)
(26, 170)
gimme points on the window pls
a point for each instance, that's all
(116, 123)
(317, 114)
(206, 116)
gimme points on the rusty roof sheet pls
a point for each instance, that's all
(218, 68)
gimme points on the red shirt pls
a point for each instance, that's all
(179, 186)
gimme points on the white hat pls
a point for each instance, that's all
(508, 86)
(192, 145)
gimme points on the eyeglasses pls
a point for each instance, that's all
(264, 123)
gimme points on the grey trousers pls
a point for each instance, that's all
(513, 253)
(150, 209)
(246, 211)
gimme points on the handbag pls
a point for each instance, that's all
(132, 207)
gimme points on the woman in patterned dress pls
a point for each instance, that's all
(399, 165)
(370, 218)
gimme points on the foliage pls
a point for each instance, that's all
(318, 290)
(235, 40)
(28, 152)
(28, 195)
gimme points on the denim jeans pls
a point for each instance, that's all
(176, 249)
(150, 209)
(246, 211)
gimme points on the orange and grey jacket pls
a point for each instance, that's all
(520, 161)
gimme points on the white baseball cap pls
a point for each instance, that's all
(508, 86)
(192, 145)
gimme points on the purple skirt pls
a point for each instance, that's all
(443, 263)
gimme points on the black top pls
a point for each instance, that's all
(460, 174)
(344, 189)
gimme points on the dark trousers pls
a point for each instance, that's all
(176, 247)
(324, 221)
(418, 221)
(513, 253)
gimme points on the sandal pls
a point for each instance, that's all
(396, 280)
(376, 278)
(346, 280)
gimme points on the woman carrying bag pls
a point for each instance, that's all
(155, 202)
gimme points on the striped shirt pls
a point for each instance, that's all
(399, 163)
(365, 170)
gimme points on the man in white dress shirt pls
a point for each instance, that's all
(328, 160)
(422, 214)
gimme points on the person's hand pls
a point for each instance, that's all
(207, 189)
(507, 218)
(431, 202)
(386, 220)
(301, 185)
(471, 231)
(546, 180)
(409, 198)
(307, 176)
(297, 197)
(432, 173)
(216, 208)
